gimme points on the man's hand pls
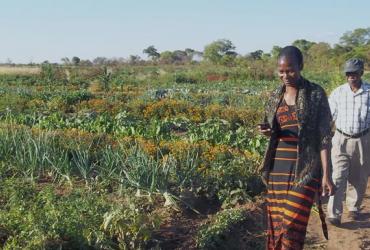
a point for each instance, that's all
(328, 189)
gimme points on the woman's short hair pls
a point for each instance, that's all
(292, 52)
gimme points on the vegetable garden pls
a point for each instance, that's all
(106, 158)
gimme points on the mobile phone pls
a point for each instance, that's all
(264, 126)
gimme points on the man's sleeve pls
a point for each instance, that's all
(333, 103)
(325, 122)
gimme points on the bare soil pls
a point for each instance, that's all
(179, 231)
(351, 235)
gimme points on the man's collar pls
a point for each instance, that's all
(363, 87)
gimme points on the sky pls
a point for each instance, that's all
(39, 30)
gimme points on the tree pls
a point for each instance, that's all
(339, 53)
(215, 51)
(134, 59)
(177, 56)
(303, 45)
(319, 55)
(275, 51)
(152, 52)
(362, 52)
(180, 56)
(190, 53)
(229, 58)
(100, 60)
(76, 60)
(256, 55)
(319, 51)
(85, 63)
(166, 57)
(357, 37)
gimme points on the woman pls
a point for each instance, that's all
(296, 163)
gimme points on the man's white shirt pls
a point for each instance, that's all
(351, 110)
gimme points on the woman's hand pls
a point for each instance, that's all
(264, 128)
(328, 189)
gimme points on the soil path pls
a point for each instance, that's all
(351, 235)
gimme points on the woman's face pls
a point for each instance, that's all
(289, 70)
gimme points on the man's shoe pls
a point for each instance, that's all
(353, 215)
(334, 221)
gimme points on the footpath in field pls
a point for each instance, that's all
(350, 235)
(179, 232)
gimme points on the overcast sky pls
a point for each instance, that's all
(38, 30)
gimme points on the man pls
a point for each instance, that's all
(350, 107)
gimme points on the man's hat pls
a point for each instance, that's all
(353, 65)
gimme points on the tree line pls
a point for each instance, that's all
(321, 55)
(354, 43)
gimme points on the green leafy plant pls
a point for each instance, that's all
(217, 233)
